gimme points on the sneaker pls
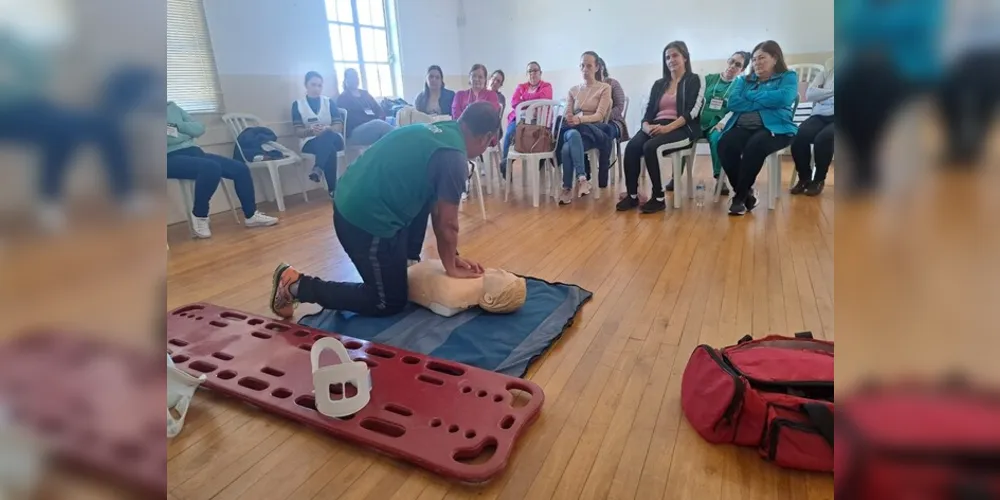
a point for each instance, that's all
(669, 187)
(800, 186)
(583, 187)
(259, 220)
(566, 197)
(627, 203)
(315, 174)
(282, 301)
(653, 205)
(737, 207)
(199, 227)
(815, 188)
(751, 202)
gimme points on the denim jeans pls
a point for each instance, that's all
(572, 157)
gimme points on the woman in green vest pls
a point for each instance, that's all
(717, 87)
(380, 214)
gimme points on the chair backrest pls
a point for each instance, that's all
(625, 109)
(541, 112)
(807, 72)
(237, 123)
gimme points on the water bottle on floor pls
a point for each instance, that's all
(699, 194)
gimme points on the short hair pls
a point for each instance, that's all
(480, 118)
(310, 75)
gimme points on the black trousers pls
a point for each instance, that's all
(643, 145)
(968, 98)
(743, 153)
(816, 131)
(381, 262)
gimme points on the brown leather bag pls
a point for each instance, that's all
(532, 138)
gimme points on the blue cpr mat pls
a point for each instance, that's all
(504, 343)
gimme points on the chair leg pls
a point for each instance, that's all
(188, 195)
(279, 194)
(508, 178)
(488, 169)
(479, 193)
(536, 188)
(229, 199)
(677, 159)
(304, 178)
(690, 176)
(774, 179)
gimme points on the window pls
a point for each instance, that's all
(192, 81)
(359, 37)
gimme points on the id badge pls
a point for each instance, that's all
(369, 112)
(171, 131)
(715, 104)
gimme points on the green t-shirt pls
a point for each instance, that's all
(393, 181)
(717, 90)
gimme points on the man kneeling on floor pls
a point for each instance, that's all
(381, 206)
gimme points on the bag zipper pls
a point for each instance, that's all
(737, 399)
(772, 441)
(804, 384)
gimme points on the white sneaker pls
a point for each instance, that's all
(260, 220)
(199, 227)
(583, 186)
(51, 218)
(566, 197)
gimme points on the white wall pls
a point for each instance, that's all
(428, 34)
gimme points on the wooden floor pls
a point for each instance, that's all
(612, 425)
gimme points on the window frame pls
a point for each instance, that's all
(340, 64)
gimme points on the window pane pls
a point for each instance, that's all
(343, 43)
(344, 13)
(377, 11)
(385, 81)
(331, 11)
(374, 45)
(364, 12)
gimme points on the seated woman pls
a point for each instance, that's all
(717, 89)
(671, 120)
(476, 93)
(817, 132)
(318, 124)
(533, 89)
(365, 117)
(435, 99)
(496, 83)
(185, 160)
(588, 103)
(761, 124)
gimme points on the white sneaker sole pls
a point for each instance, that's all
(259, 224)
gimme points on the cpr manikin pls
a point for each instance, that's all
(497, 291)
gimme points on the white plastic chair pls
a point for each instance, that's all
(186, 187)
(492, 157)
(807, 72)
(542, 111)
(238, 122)
(677, 159)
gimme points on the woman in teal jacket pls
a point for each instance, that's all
(762, 104)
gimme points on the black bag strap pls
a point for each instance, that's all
(745, 339)
(804, 335)
(822, 417)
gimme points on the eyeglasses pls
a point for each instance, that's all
(733, 62)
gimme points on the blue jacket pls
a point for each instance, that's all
(774, 100)
(908, 34)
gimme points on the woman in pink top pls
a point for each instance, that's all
(478, 92)
(531, 90)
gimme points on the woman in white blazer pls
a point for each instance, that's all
(319, 126)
